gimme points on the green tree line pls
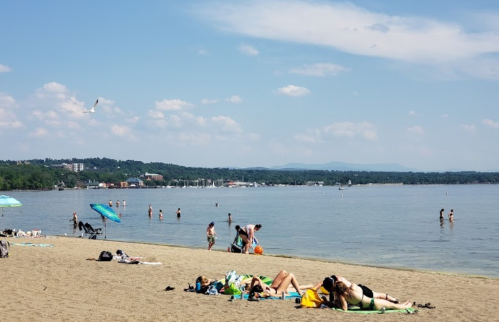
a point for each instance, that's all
(40, 174)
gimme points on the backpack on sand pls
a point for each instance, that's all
(105, 256)
(4, 248)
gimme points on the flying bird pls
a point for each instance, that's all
(92, 110)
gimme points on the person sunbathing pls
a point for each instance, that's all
(344, 295)
(329, 282)
(282, 283)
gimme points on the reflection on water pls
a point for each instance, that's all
(392, 226)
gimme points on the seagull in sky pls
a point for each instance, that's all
(92, 110)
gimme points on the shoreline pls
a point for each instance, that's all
(59, 284)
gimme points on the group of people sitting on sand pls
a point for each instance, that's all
(343, 293)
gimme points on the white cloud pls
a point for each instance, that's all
(202, 52)
(206, 101)
(225, 123)
(307, 138)
(8, 119)
(248, 50)
(155, 114)
(5, 69)
(468, 128)
(172, 105)
(319, 69)
(416, 129)
(292, 90)
(490, 123)
(38, 133)
(122, 131)
(6, 100)
(52, 89)
(412, 113)
(352, 130)
(234, 99)
(356, 30)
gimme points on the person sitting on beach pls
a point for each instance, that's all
(210, 235)
(344, 295)
(329, 282)
(282, 283)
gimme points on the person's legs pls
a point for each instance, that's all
(384, 296)
(289, 279)
(379, 303)
(278, 279)
(244, 238)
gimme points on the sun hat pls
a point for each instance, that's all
(212, 223)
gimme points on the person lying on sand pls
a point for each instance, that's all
(281, 283)
(344, 295)
(329, 282)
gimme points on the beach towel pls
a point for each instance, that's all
(290, 295)
(358, 310)
(31, 244)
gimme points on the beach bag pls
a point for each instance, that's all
(232, 290)
(231, 277)
(105, 256)
(311, 298)
(4, 248)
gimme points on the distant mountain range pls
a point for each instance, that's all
(341, 166)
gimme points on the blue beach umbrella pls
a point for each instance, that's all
(106, 212)
(7, 201)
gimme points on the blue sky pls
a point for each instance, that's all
(252, 83)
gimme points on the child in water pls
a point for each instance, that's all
(210, 234)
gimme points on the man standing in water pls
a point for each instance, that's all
(442, 214)
(149, 211)
(179, 212)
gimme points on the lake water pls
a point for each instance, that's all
(389, 226)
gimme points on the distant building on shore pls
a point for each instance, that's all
(134, 183)
(153, 176)
(75, 167)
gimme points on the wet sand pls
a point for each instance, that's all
(59, 284)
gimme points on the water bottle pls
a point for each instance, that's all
(198, 287)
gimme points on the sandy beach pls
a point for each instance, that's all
(59, 284)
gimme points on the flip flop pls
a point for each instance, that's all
(169, 288)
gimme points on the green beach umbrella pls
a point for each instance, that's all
(106, 212)
(7, 201)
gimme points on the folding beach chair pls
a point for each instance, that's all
(237, 245)
(89, 231)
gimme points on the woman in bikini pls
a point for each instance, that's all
(344, 295)
(281, 283)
